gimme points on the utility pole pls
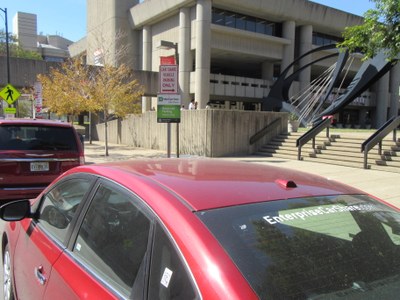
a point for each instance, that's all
(8, 54)
(7, 45)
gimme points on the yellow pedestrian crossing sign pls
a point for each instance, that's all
(10, 94)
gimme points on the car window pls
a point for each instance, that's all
(169, 278)
(59, 205)
(26, 137)
(313, 248)
(113, 238)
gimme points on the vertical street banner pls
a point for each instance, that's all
(37, 96)
(98, 57)
(168, 108)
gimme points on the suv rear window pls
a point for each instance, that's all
(27, 137)
(332, 247)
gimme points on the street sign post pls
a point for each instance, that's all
(168, 108)
(10, 94)
(10, 110)
(169, 100)
(169, 111)
(168, 79)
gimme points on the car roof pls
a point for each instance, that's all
(43, 122)
(203, 183)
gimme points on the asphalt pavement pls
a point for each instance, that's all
(382, 184)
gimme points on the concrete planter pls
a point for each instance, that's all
(293, 125)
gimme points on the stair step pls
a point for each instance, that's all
(340, 149)
(353, 164)
(277, 155)
(389, 163)
(385, 168)
(346, 152)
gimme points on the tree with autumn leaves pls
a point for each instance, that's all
(108, 91)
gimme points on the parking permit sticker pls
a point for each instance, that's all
(166, 278)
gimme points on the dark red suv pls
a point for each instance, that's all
(33, 153)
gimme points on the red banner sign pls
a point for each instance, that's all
(167, 60)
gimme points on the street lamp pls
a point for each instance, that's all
(7, 46)
(170, 45)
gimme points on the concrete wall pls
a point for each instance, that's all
(211, 133)
(23, 72)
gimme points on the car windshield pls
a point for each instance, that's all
(334, 247)
(26, 137)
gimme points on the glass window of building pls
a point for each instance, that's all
(322, 39)
(244, 22)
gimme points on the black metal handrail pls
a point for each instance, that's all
(311, 134)
(260, 134)
(378, 136)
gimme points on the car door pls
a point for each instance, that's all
(108, 252)
(170, 277)
(44, 237)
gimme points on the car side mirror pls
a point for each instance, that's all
(15, 210)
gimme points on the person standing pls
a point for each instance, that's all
(192, 106)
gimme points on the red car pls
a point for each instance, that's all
(199, 229)
(33, 153)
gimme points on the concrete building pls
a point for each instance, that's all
(230, 51)
(53, 48)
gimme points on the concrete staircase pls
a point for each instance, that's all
(341, 148)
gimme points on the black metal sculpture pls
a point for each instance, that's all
(370, 71)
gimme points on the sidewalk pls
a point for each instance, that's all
(95, 152)
(385, 185)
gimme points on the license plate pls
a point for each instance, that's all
(39, 166)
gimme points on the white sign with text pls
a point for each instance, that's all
(168, 79)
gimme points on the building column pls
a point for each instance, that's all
(146, 62)
(305, 45)
(185, 57)
(288, 32)
(203, 52)
(362, 117)
(382, 99)
(394, 87)
(227, 104)
(267, 71)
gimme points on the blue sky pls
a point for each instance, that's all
(357, 7)
(68, 17)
